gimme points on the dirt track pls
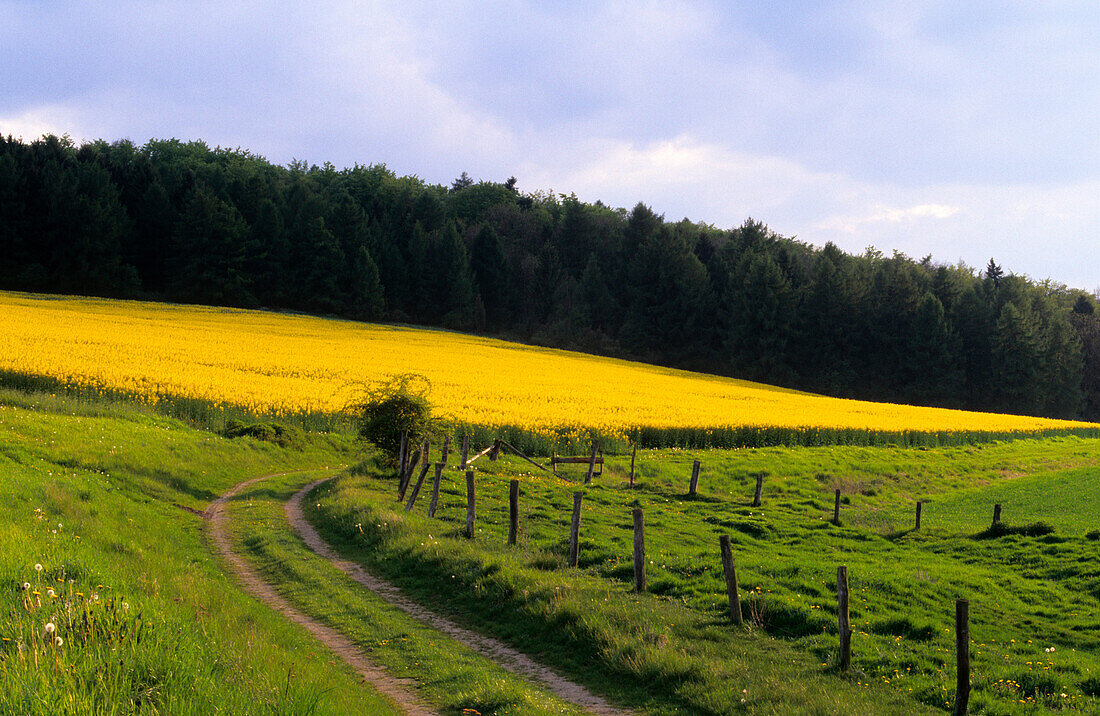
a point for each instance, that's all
(509, 658)
(393, 688)
(340, 645)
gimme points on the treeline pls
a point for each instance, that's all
(183, 222)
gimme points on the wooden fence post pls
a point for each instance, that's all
(513, 511)
(446, 448)
(435, 489)
(633, 456)
(962, 658)
(916, 526)
(694, 479)
(416, 487)
(553, 461)
(836, 508)
(759, 489)
(996, 513)
(465, 448)
(844, 627)
(494, 453)
(592, 462)
(403, 484)
(639, 550)
(403, 453)
(575, 530)
(470, 504)
(731, 579)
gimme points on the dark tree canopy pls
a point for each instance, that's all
(180, 221)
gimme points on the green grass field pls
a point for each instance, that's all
(1033, 600)
(104, 496)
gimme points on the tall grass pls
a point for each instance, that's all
(1035, 594)
(198, 412)
(98, 519)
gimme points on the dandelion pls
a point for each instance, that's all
(50, 628)
(51, 593)
(26, 585)
(38, 567)
(59, 641)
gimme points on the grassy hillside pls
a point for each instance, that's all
(1034, 600)
(101, 535)
(295, 365)
(104, 499)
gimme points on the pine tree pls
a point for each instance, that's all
(490, 271)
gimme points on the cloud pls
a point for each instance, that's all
(928, 127)
(889, 215)
(1041, 231)
(682, 176)
(32, 123)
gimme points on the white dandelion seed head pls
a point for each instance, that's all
(26, 585)
(38, 567)
(59, 641)
(50, 628)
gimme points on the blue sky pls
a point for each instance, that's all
(962, 130)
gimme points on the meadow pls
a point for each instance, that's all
(101, 534)
(211, 361)
(100, 537)
(104, 497)
(1033, 599)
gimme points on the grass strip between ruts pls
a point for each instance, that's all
(444, 672)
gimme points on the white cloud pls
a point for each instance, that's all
(926, 128)
(886, 214)
(31, 124)
(708, 181)
(1042, 231)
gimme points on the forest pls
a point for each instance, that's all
(184, 222)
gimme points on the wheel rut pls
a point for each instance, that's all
(507, 657)
(217, 518)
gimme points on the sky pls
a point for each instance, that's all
(967, 131)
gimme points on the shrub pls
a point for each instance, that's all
(391, 408)
(1000, 529)
(281, 435)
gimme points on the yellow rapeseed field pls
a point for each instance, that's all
(288, 363)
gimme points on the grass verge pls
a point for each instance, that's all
(1035, 598)
(446, 673)
(657, 655)
(105, 499)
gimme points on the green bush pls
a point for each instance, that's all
(1000, 529)
(392, 408)
(281, 435)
